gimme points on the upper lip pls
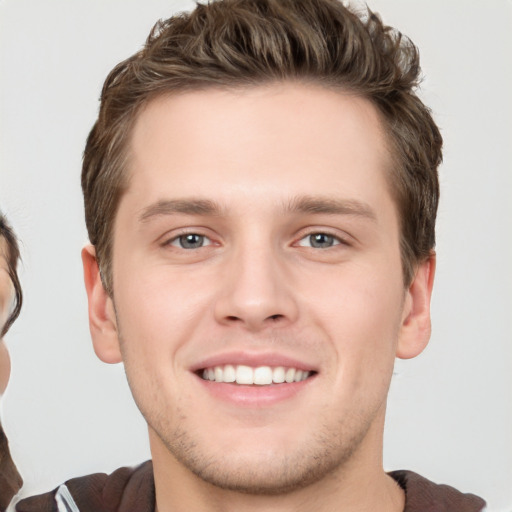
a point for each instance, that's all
(253, 359)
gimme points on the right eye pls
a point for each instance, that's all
(190, 241)
(319, 241)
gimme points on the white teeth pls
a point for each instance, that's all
(260, 376)
(290, 375)
(300, 375)
(229, 373)
(244, 375)
(263, 375)
(278, 375)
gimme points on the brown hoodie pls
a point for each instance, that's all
(10, 479)
(132, 490)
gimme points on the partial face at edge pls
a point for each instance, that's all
(6, 300)
(258, 231)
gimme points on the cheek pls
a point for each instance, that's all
(361, 311)
(5, 367)
(6, 296)
(160, 308)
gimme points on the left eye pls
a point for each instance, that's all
(190, 241)
(319, 241)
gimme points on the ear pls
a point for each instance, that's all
(416, 325)
(102, 318)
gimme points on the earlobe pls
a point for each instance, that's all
(416, 325)
(102, 319)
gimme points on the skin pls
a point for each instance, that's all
(282, 163)
(6, 300)
(10, 479)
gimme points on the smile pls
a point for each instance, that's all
(259, 376)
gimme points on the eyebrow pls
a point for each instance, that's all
(300, 204)
(183, 206)
(331, 206)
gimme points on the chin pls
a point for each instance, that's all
(261, 468)
(261, 475)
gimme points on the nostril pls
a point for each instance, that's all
(275, 317)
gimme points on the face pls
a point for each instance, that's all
(258, 293)
(6, 300)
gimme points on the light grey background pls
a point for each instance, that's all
(67, 414)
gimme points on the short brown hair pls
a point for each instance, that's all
(12, 257)
(244, 43)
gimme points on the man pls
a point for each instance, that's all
(260, 194)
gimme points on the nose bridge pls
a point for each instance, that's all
(256, 291)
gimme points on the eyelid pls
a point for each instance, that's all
(336, 240)
(341, 238)
(175, 242)
(169, 238)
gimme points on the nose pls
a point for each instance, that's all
(257, 291)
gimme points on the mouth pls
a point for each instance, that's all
(254, 376)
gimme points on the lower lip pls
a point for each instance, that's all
(255, 396)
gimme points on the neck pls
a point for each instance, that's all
(359, 484)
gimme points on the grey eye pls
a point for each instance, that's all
(319, 241)
(190, 241)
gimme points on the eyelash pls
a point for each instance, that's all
(336, 240)
(178, 240)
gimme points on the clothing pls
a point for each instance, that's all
(10, 479)
(133, 490)
(422, 495)
(125, 490)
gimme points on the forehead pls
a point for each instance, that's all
(265, 141)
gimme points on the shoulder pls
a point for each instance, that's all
(129, 489)
(422, 495)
